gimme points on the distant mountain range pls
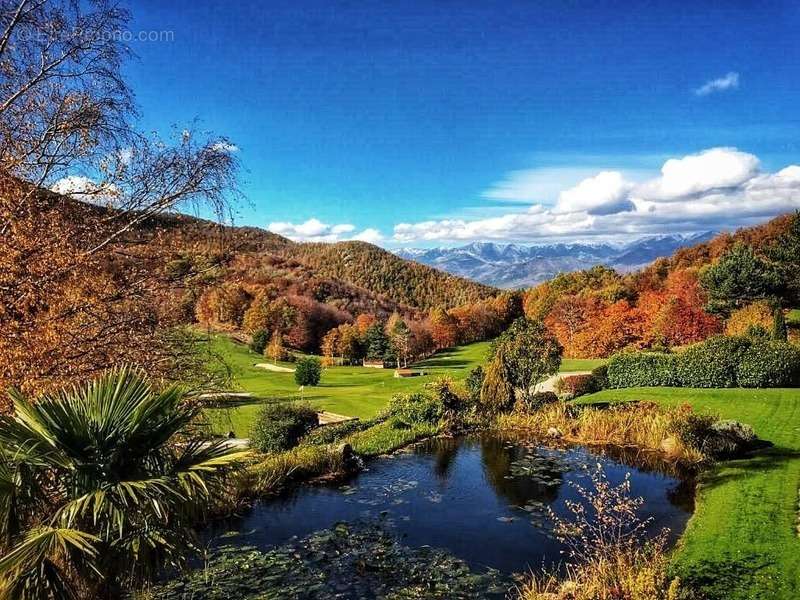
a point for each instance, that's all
(516, 266)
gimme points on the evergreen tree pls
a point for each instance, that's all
(779, 331)
(377, 343)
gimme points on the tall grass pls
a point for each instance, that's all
(642, 425)
(272, 472)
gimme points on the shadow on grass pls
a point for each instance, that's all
(443, 361)
(750, 576)
(759, 462)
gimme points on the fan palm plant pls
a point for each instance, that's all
(100, 487)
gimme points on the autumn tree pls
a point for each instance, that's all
(274, 350)
(330, 344)
(399, 337)
(78, 292)
(444, 328)
(364, 321)
(350, 345)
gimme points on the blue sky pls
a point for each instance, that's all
(470, 120)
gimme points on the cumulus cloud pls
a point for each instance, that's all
(604, 194)
(314, 230)
(714, 189)
(721, 84)
(371, 235)
(714, 169)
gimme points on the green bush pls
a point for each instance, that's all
(335, 432)
(259, 341)
(600, 375)
(474, 383)
(718, 362)
(416, 408)
(712, 363)
(308, 371)
(769, 364)
(279, 426)
(642, 369)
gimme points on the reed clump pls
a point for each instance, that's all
(643, 425)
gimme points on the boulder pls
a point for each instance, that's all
(728, 439)
(554, 432)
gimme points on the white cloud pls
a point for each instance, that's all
(715, 189)
(343, 228)
(536, 185)
(728, 82)
(604, 194)
(714, 169)
(226, 147)
(371, 235)
(85, 189)
(314, 230)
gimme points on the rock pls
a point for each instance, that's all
(554, 432)
(727, 439)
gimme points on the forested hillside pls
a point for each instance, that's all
(408, 282)
(733, 283)
(244, 279)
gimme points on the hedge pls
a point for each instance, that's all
(641, 369)
(712, 363)
(719, 362)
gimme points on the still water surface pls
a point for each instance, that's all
(482, 498)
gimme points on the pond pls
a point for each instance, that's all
(483, 499)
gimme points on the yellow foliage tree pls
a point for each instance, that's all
(757, 314)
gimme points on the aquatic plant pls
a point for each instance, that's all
(346, 561)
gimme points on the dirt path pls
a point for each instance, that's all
(276, 368)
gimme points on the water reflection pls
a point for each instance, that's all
(482, 498)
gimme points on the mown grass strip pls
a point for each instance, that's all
(741, 542)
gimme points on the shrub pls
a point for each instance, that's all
(712, 363)
(333, 433)
(576, 385)
(600, 375)
(279, 426)
(641, 369)
(259, 341)
(308, 371)
(535, 402)
(474, 383)
(757, 314)
(769, 364)
(416, 408)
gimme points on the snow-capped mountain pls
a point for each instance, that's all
(516, 266)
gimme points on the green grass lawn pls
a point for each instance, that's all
(353, 391)
(581, 364)
(793, 318)
(742, 542)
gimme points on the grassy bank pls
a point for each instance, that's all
(741, 542)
